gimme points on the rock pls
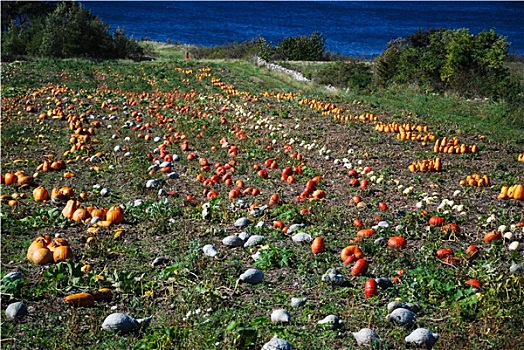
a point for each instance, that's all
(16, 310)
(252, 276)
(295, 227)
(332, 321)
(257, 211)
(206, 211)
(233, 241)
(210, 250)
(280, 316)
(366, 336)
(333, 276)
(119, 322)
(277, 343)
(422, 336)
(104, 192)
(261, 224)
(396, 305)
(516, 268)
(138, 202)
(302, 237)
(402, 317)
(152, 183)
(254, 240)
(297, 302)
(12, 276)
(244, 235)
(173, 175)
(242, 222)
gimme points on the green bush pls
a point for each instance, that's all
(450, 60)
(345, 74)
(63, 31)
(301, 48)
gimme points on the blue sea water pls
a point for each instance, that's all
(355, 28)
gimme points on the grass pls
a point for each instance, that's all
(196, 301)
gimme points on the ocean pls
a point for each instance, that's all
(353, 28)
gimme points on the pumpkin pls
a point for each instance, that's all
(492, 236)
(42, 256)
(471, 251)
(100, 212)
(80, 299)
(367, 232)
(474, 283)
(518, 192)
(318, 245)
(274, 199)
(80, 215)
(444, 253)
(38, 243)
(10, 179)
(360, 267)
(397, 241)
(436, 221)
(351, 250)
(503, 193)
(115, 214)
(103, 294)
(62, 253)
(450, 229)
(25, 180)
(40, 194)
(69, 209)
(66, 192)
(370, 288)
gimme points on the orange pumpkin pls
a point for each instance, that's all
(69, 209)
(370, 288)
(80, 215)
(436, 221)
(367, 232)
(80, 299)
(115, 214)
(318, 245)
(42, 256)
(38, 243)
(62, 253)
(492, 236)
(40, 194)
(10, 179)
(360, 267)
(397, 241)
(444, 253)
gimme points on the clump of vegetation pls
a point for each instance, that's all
(61, 30)
(451, 60)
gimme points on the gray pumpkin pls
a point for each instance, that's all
(422, 336)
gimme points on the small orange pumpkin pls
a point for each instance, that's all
(62, 253)
(80, 215)
(80, 299)
(492, 236)
(366, 232)
(115, 214)
(370, 288)
(360, 267)
(444, 253)
(397, 241)
(69, 209)
(42, 256)
(436, 221)
(40, 194)
(318, 245)
(38, 243)
(10, 178)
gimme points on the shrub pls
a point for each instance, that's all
(65, 30)
(450, 60)
(345, 74)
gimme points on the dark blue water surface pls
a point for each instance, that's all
(361, 28)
